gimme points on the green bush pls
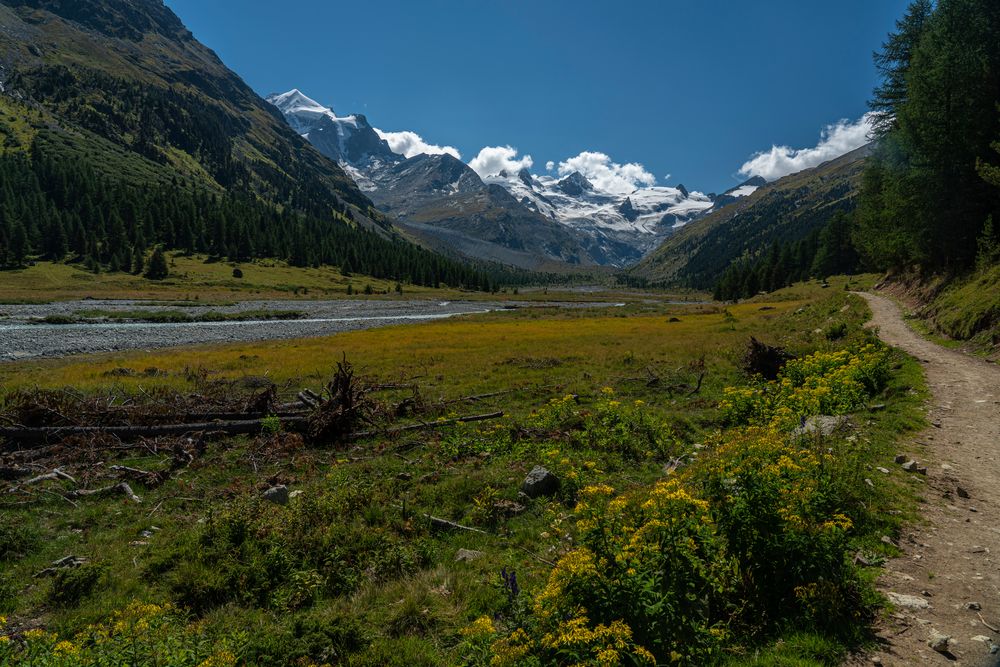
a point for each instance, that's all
(70, 586)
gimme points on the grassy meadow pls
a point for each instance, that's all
(629, 408)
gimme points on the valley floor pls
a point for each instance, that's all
(949, 565)
(358, 567)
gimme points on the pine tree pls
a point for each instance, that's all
(157, 266)
(893, 63)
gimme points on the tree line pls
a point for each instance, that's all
(931, 188)
(63, 210)
(926, 196)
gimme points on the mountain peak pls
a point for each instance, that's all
(295, 101)
(525, 177)
(575, 184)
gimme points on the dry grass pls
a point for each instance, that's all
(190, 278)
(477, 353)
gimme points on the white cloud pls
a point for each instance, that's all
(607, 175)
(550, 165)
(494, 159)
(409, 144)
(835, 140)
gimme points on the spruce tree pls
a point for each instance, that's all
(157, 266)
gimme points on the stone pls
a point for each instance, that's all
(922, 470)
(900, 458)
(404, 476)
(277, 495)
(296, 493)
(467, 555)
(908, 601)
(540, 482)
(822, 425)
(939, 641)
(910, 466)
(884, 471)
(878, 407)
(962, 493)
(973, 606)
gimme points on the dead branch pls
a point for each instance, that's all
(121, 487)
(444, 524)
(983, 621)
(426, 425)
(55, 474)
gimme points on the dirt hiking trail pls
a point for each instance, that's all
(947, 582)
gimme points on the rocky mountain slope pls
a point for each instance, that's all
(785, 210)
(518, 217)
(120, 133)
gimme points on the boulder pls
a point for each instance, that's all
(822, 425)
(939, 641)
(908, 601)
(540, 482)
(276, 494)
(467, 555)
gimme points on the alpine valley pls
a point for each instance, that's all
(516, 218)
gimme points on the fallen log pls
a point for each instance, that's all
(44, 434)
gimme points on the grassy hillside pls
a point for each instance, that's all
(131, 73)
(958, 311)
(785, 210)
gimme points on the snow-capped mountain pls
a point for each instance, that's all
(350, 140)
(641, 218)
(518, 217)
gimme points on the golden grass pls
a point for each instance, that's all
(579, 349)
(190, 278)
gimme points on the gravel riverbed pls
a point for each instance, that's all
(20, 339)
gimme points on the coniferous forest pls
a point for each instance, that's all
(931, 189)
(63, 210)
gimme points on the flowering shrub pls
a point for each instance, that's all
(646, 585)
(776, 505)
(823, 383)
(752, 536)
(628, 428)
(144, 635)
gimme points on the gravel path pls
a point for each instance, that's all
(949, 574)
(21, 340)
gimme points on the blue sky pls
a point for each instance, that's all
(687, 89)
